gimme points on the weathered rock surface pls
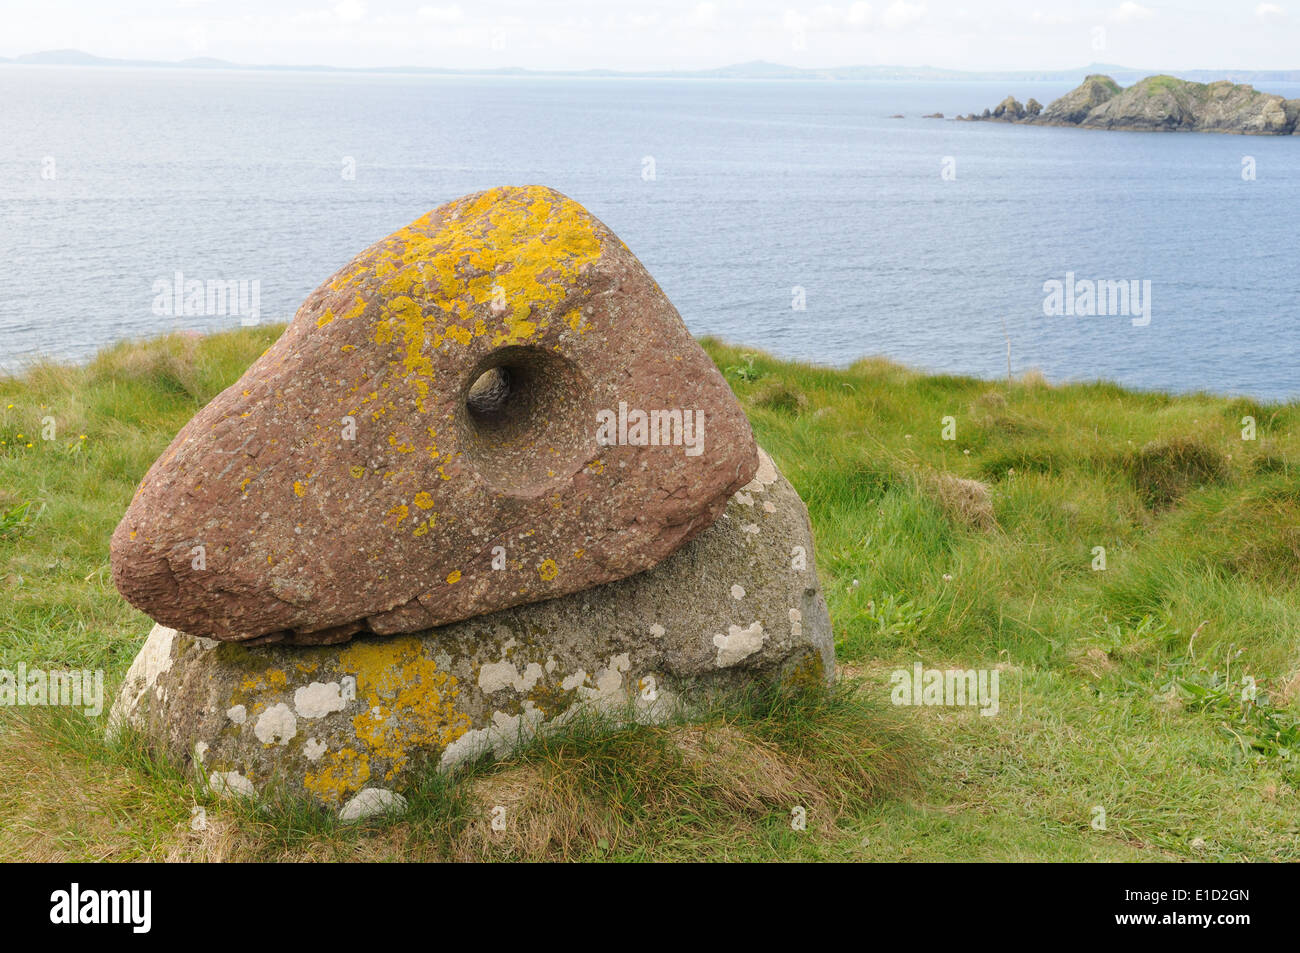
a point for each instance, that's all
(431, 439)
(1160, 104)
(1074, 107)
(738, 605)
(1008, 109)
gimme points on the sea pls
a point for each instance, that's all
(800, 218)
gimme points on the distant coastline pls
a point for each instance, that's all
(756, 70)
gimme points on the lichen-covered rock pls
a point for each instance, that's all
(493, 406)
(738, 605)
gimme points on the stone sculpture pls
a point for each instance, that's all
(488, 456)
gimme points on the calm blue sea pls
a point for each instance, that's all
(758, 189)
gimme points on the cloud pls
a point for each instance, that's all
(704, 15)
(451, 14)
(340, 14)
(854, 17)
(1051, 19)
(1130, 12)
(857, 16)
(1269, 11)
(349, 11)
(900, 14)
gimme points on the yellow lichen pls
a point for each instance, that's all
(409, 702)
(515, 251)
(344, 773)
(548, 570)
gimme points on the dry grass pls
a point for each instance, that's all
(172, 359)
(600, 787)
(717, 782)
(965, 502)
(57, 805)
(990, 400)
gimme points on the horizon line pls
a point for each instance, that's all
(75, 57)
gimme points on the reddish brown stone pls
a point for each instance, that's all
(364, 474)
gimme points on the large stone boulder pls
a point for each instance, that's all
(739, 605)
(493, 406)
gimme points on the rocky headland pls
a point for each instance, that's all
(1157, 104)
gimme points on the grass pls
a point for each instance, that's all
(1126, 561)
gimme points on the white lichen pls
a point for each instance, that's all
(738, 644)
(764, 476)
(226, 783)
(371, 801)
(319, 699)
(494, 676)
(276, 725)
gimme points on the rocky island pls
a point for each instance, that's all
(1157, 104)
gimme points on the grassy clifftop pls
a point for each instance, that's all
(1122, 687)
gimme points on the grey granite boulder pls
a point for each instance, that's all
(739, 605)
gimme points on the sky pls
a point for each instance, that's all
(669, 34)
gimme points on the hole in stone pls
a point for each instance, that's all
(527, 419)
